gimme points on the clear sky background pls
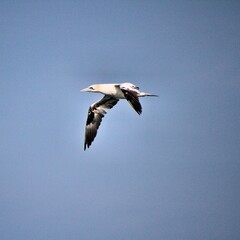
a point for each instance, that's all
(171, 173)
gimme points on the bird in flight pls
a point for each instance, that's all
(112, 94)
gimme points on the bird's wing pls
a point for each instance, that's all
(95, 114)
(131, 94)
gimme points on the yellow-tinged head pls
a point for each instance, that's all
(92, 88)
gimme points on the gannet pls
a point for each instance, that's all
(112, 94)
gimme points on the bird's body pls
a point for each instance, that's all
(110, 89)
(113, 92)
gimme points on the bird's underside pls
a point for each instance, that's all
(113, 92)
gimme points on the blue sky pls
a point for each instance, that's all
(171, 173)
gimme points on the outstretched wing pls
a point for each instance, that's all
(95, 114)
(131, 94)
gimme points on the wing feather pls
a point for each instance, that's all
(95, 114)
(132, 98)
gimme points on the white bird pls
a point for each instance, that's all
(112, 92)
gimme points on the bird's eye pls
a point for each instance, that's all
(91, 88)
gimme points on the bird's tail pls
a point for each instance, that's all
(143, 94)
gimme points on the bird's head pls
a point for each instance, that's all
(92, 88)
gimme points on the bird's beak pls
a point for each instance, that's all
(85, 90)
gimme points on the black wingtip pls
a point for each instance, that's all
(86, 145)
(139, 112)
